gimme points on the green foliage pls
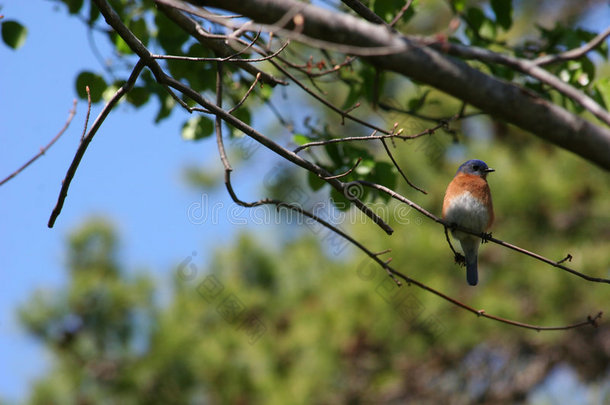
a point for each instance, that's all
(96, 83)
(503, 9)
(74, 6)
(315, 328)
(303, 326)
(197, 128)
(388, 9)
(96, 326)
(13, 34)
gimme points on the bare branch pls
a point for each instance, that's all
(82, 147)
(573, 53)
(243, 99)
(483, 236)
(218, 46)
(404, 176)
(527, 67)
(230, 58)
(326, 102)
(398, 135)
(351, 169)
(45, 148)
(293, 20)
(364, 11)
(402, 11)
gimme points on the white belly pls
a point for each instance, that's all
(468, 212)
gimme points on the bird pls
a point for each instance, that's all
(467, 203)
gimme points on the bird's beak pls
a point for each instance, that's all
(489, 170)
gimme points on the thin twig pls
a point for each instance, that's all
(483, 236)
(258, 76)
(82, 147)
(231, 58)
(338, 176)
(401, 13)
(398, 135)
(286, 154)
(364, 12)
(326, 102)
(42, 150)
(218, 121)
(404, 176)
(573, 53)
(206, 39)
(88, 113)
(524, 66)
(424, 117)
(293, 16)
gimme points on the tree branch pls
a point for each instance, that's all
(527, 67)
(45, 148)
(82, 147)
(218, 46)
(503, 100)
(483, 236)
(573, 53)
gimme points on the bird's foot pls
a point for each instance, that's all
(460, 259)
(486, 237)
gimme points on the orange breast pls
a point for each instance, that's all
(476, 186)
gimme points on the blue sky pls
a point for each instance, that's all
(132, 174)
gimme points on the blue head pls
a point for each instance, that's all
(476, 167)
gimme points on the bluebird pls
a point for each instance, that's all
(468, 204)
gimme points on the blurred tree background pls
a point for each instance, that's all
(313, 320)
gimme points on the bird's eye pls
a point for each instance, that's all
(476, 168)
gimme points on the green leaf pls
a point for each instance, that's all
(97, 86)
(94, 14)
(170, 36)
(120, 45)
(197, 128)
(265, 92)
(74, 6)
(140, 30)
(388, 9)
(300, 139)
(475, 18)
(588, 68)
(138, 96)
(315, 183)
(13, 34)
(334, 153)
(602, 91)
(365, 167)
(384, 173)
(459, 5)
(598, 97)
(166, 106)
(416, 103)
(243, 114)
(339, 200)
(503, 9)
(355, 91)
